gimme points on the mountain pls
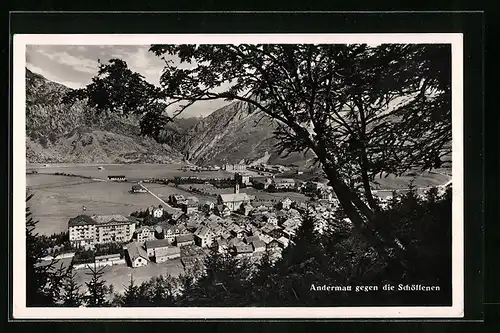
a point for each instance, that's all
(236, 133)
(60, 133)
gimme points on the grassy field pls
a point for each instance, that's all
(133, 172)
(259, 195)
(54, 203)
(58, 198)
(119, 275)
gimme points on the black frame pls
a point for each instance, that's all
(471, 24)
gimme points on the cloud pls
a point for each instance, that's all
(54, 78)
(76, 63)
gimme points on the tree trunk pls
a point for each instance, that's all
(362, 218)
(366, 181)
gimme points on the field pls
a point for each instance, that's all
(133, 172)
(119, 275)
(259, 195)
(58, 198)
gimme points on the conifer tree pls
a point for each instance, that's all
(131, 294)
(71, 295)
(37, 274)
(96, 288)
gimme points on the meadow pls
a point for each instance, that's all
(59, 198)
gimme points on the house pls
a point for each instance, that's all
(242, 179)
(153, 245)
(117, 178)
(167, 253)
(234, 167)
(276, 233)
(177, 200)
(289, 232)
(108, 260)
(236, 230)
(137, 257)
(314, 186)
(184, 240)
(157, 212)
(283, 183)
(290, 226)
(286, 203)
(138, 189)
(266, 238)
(144, 234)
(234, 200)
(87, 230)
(284, 242)
(208, 207)
(190, 206)
(300, 206)
(221, 245)
(234, 242)
(243, 250)
(271, 218)
(171, 231)
(274, 244)
(159, 234)
(246, 209)
(261, 183)
(267, 229)
(250, 239)
(203, 237)
(223, 210)
(258, 246)
(226, 234)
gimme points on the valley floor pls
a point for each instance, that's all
(59, 198)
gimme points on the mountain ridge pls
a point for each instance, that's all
(59, 133)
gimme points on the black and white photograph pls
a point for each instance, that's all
(238, 176)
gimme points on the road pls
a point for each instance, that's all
(157, 197)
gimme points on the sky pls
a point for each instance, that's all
(75, 65)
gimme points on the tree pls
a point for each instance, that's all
(158, 291)
(363, 110)
(96, 288)
(71, 295)
(43, 280)
(131, 294)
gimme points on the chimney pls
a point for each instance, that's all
(237, 188)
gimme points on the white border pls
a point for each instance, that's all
(20, 311)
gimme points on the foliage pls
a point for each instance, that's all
(43, 278)
(71, 295)
(96, 288)
(363, 110)
(131, 295)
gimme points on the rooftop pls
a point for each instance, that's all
(110, 218)
(258, 243)
(244, 248)
(156, 243)
(81, 220)
(135, 251)
(184, 238)
(232, 197)
(202, 232)
(107, 256)
(167, 251)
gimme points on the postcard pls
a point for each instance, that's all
(238, 176)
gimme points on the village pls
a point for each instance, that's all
(183, 230)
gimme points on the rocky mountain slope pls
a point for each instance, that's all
(236, 133)
(55, 132)
(60, 133)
